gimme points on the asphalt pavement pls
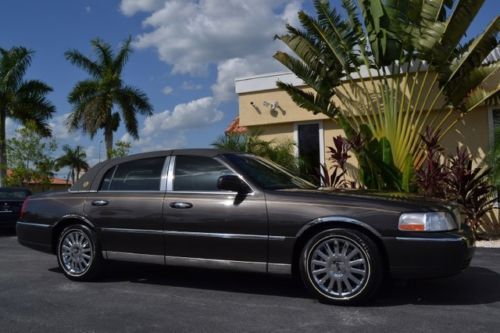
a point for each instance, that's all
(36, 297)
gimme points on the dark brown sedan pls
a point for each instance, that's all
(209, 208)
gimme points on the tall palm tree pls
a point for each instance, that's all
(74, 159)
(20, 99)
(94, 100)
(403, 51)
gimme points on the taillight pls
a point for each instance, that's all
(23, 208)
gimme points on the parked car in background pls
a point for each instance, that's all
(11, 201)
(210, 208)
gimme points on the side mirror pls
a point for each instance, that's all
(232, 183)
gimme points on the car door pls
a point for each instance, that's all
(202, 222)
(127, 208)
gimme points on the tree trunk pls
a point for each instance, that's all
(108, 139)
(3, 150)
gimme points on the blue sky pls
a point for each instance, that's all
(187, 54)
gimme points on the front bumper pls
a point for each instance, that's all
(417, 255)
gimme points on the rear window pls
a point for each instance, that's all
(139, 175)
(8, 194)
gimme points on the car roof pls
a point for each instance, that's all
(85, 182)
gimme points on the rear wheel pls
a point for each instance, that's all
(78, 253)
(341, 266)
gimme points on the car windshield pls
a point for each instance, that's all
(12, 194)
(267, 174)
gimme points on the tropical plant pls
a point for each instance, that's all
(20, 99)
(74, 159)
(339, 154)
(94, 99)
(121, 149)
(250, 142)
(388, 63)
(30, 157)
(453, 178)
(470, 187)
(431, 177)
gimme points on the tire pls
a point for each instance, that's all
(341, 266)
(79, 254)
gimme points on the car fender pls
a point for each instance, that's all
(336, 218)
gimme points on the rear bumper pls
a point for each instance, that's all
(35, 235)
(429, 256)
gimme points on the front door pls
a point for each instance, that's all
(205, 223)
(127, 208)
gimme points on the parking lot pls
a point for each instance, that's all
(35, 296)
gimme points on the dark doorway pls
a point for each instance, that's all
(308, 146)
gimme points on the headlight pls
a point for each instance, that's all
(438, 221)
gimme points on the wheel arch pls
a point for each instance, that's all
(330, 222)
(65, 221)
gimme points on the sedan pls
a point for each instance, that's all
(11, 201)
(214, 209)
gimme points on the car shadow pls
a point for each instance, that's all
(476, 285)
(7, 232)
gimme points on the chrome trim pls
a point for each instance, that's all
(422, 239)
(164, 174)
(135, 257)
(30, 224)
(196, 234)
(133, 231)
(170, 175)
(275, 268)
(344, 219)
(215, 235)
(249, 266)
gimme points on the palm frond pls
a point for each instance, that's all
(80, 60)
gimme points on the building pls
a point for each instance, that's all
(262, 105)
(56, 184)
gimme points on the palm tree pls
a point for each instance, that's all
(420, 42)
(74, 159)
(94, 99)
(20, 99)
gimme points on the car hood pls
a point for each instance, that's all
(393, 201)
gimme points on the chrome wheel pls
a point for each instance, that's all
(338, 267)
(76, 252)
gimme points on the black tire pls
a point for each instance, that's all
(331, 279)
(79, 254)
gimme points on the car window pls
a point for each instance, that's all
(267, 174)
(198, 173)
(139, 175)
(106, 180)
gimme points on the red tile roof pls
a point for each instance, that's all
(234, 127)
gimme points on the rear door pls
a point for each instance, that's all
(205, 223)
(127, 207)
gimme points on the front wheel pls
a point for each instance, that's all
(78, 253)
(341, 266)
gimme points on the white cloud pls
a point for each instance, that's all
(197, 113)
(189, 85)
(130, 7)
(10, 128)
(60, 129)
(167, 90)
(191, 34)
(88, 9)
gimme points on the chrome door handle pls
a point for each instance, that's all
(181, 205)
(99, 203)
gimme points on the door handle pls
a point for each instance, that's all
(99, 203)
(181, 205)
